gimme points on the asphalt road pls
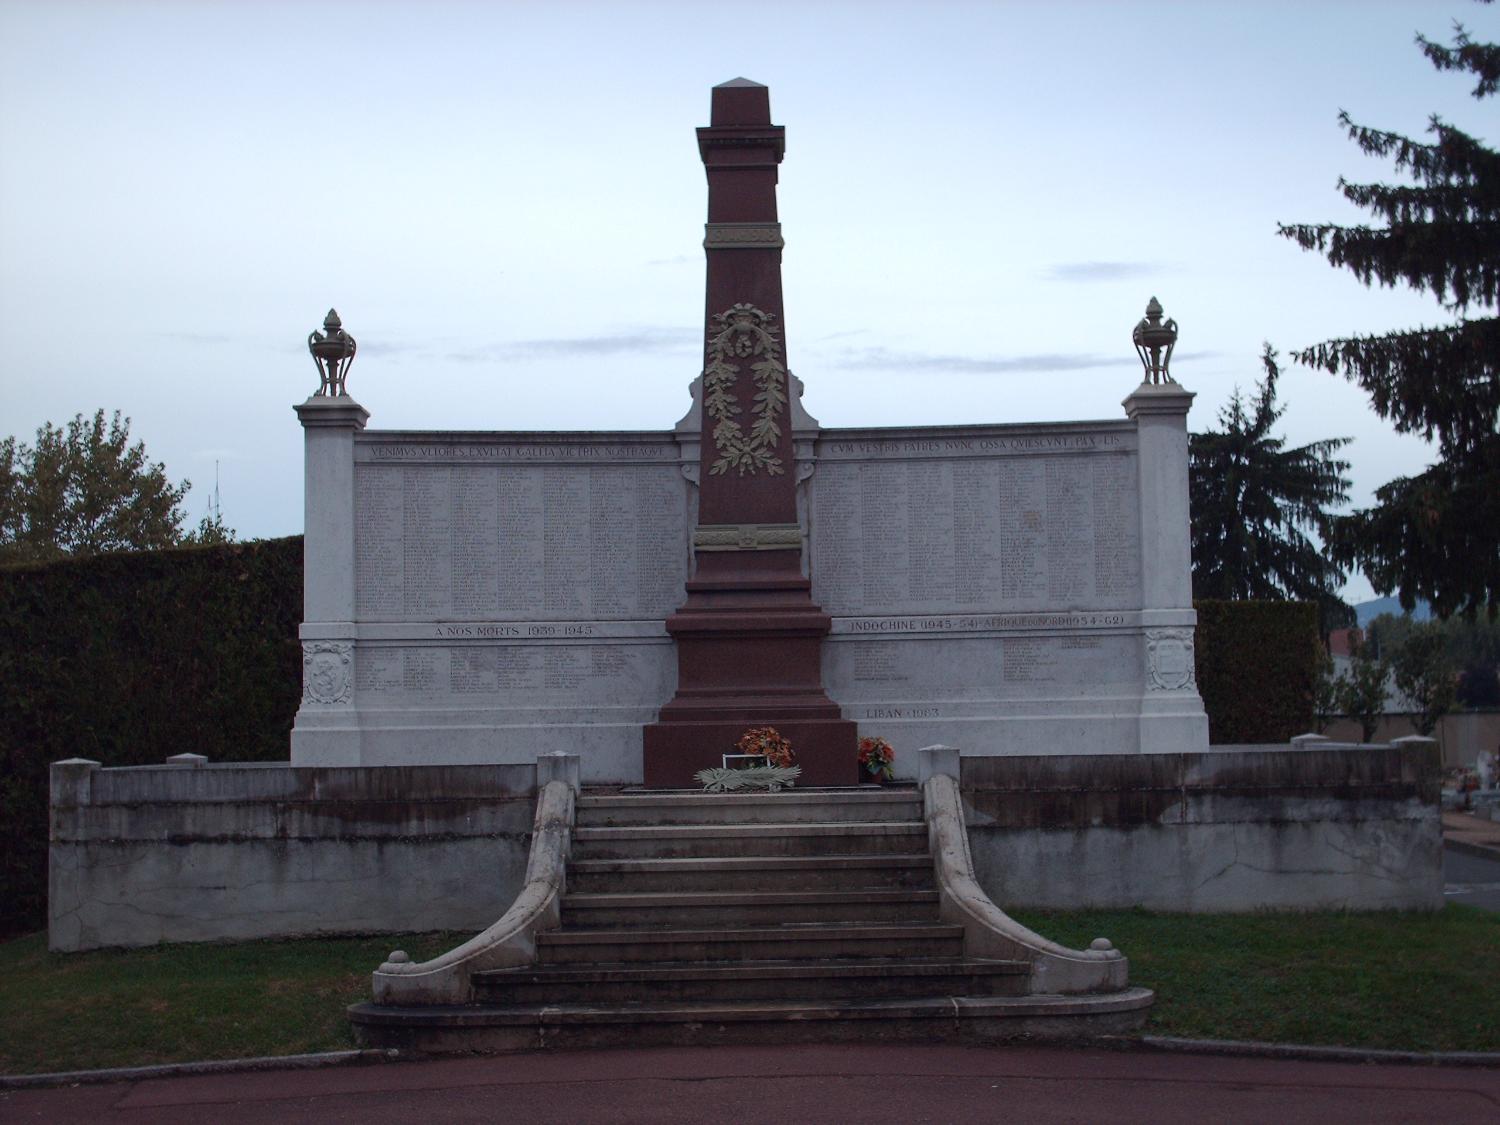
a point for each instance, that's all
(1471, 879)
(844, 1083)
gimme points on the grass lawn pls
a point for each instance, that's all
(176, 1003)
(1409, 981)
(1405, 981)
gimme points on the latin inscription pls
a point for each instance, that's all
(971, 446)
(540, 451)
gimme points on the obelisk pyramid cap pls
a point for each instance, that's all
(740, 102)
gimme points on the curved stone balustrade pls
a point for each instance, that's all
(988, 930)
(511, 941)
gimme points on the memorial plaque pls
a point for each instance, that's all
(434, 540)
(897, 530)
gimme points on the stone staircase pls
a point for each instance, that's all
(696, 918)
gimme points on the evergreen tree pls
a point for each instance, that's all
(1253, 500)
(1436, 535)
(84, 490)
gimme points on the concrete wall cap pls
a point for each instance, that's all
(1309, 739)
(191, 760)
(559, 766)
(934, 761)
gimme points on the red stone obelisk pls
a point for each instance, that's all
(748, 637)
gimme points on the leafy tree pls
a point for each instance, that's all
(84, 490)
(211, 531)
(1362, 693)
(1328, 697)
(1424, 675)
(1435, 535)
(1253, 500)
(1388, 632)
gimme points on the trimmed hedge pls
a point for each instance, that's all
(130, 658)
(1257, 669)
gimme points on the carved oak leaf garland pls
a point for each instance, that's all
(744, 332)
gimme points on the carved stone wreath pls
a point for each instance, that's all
(326, 669)
(744, 332)
(1169, 659)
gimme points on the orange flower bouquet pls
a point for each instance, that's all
(768, 742)
(878, 758)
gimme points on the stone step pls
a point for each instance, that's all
(754, 980)
(811, 942)
(665, 909)
(739, 873)
(941, 1019)
(694, 806)
(768, 839)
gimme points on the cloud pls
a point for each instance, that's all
(646, 341)
(1097, 271)
(881, 358)
(385, 347)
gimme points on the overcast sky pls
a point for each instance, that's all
(505, 203)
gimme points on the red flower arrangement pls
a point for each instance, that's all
(768, 742)
(877, 756)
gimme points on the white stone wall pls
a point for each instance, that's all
(989, 591)
(485, 597)
(509, 597)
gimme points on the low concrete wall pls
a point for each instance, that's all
(229, 852)
(1460, 734)
(1234, 828)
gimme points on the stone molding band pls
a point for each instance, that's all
(747, 537)
(742, 236)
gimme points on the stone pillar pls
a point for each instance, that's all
(1159, 411)
(1172, 716)
(72, 782)
(748, 637)
(324, 733)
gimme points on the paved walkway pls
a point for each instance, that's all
(1471, 832)
(1471, 879)
(844, 1083)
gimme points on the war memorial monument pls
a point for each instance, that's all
(519, 648)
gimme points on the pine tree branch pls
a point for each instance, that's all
(1442, 382)
(1459, 263)
(1481, 59)
(1432, 537)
